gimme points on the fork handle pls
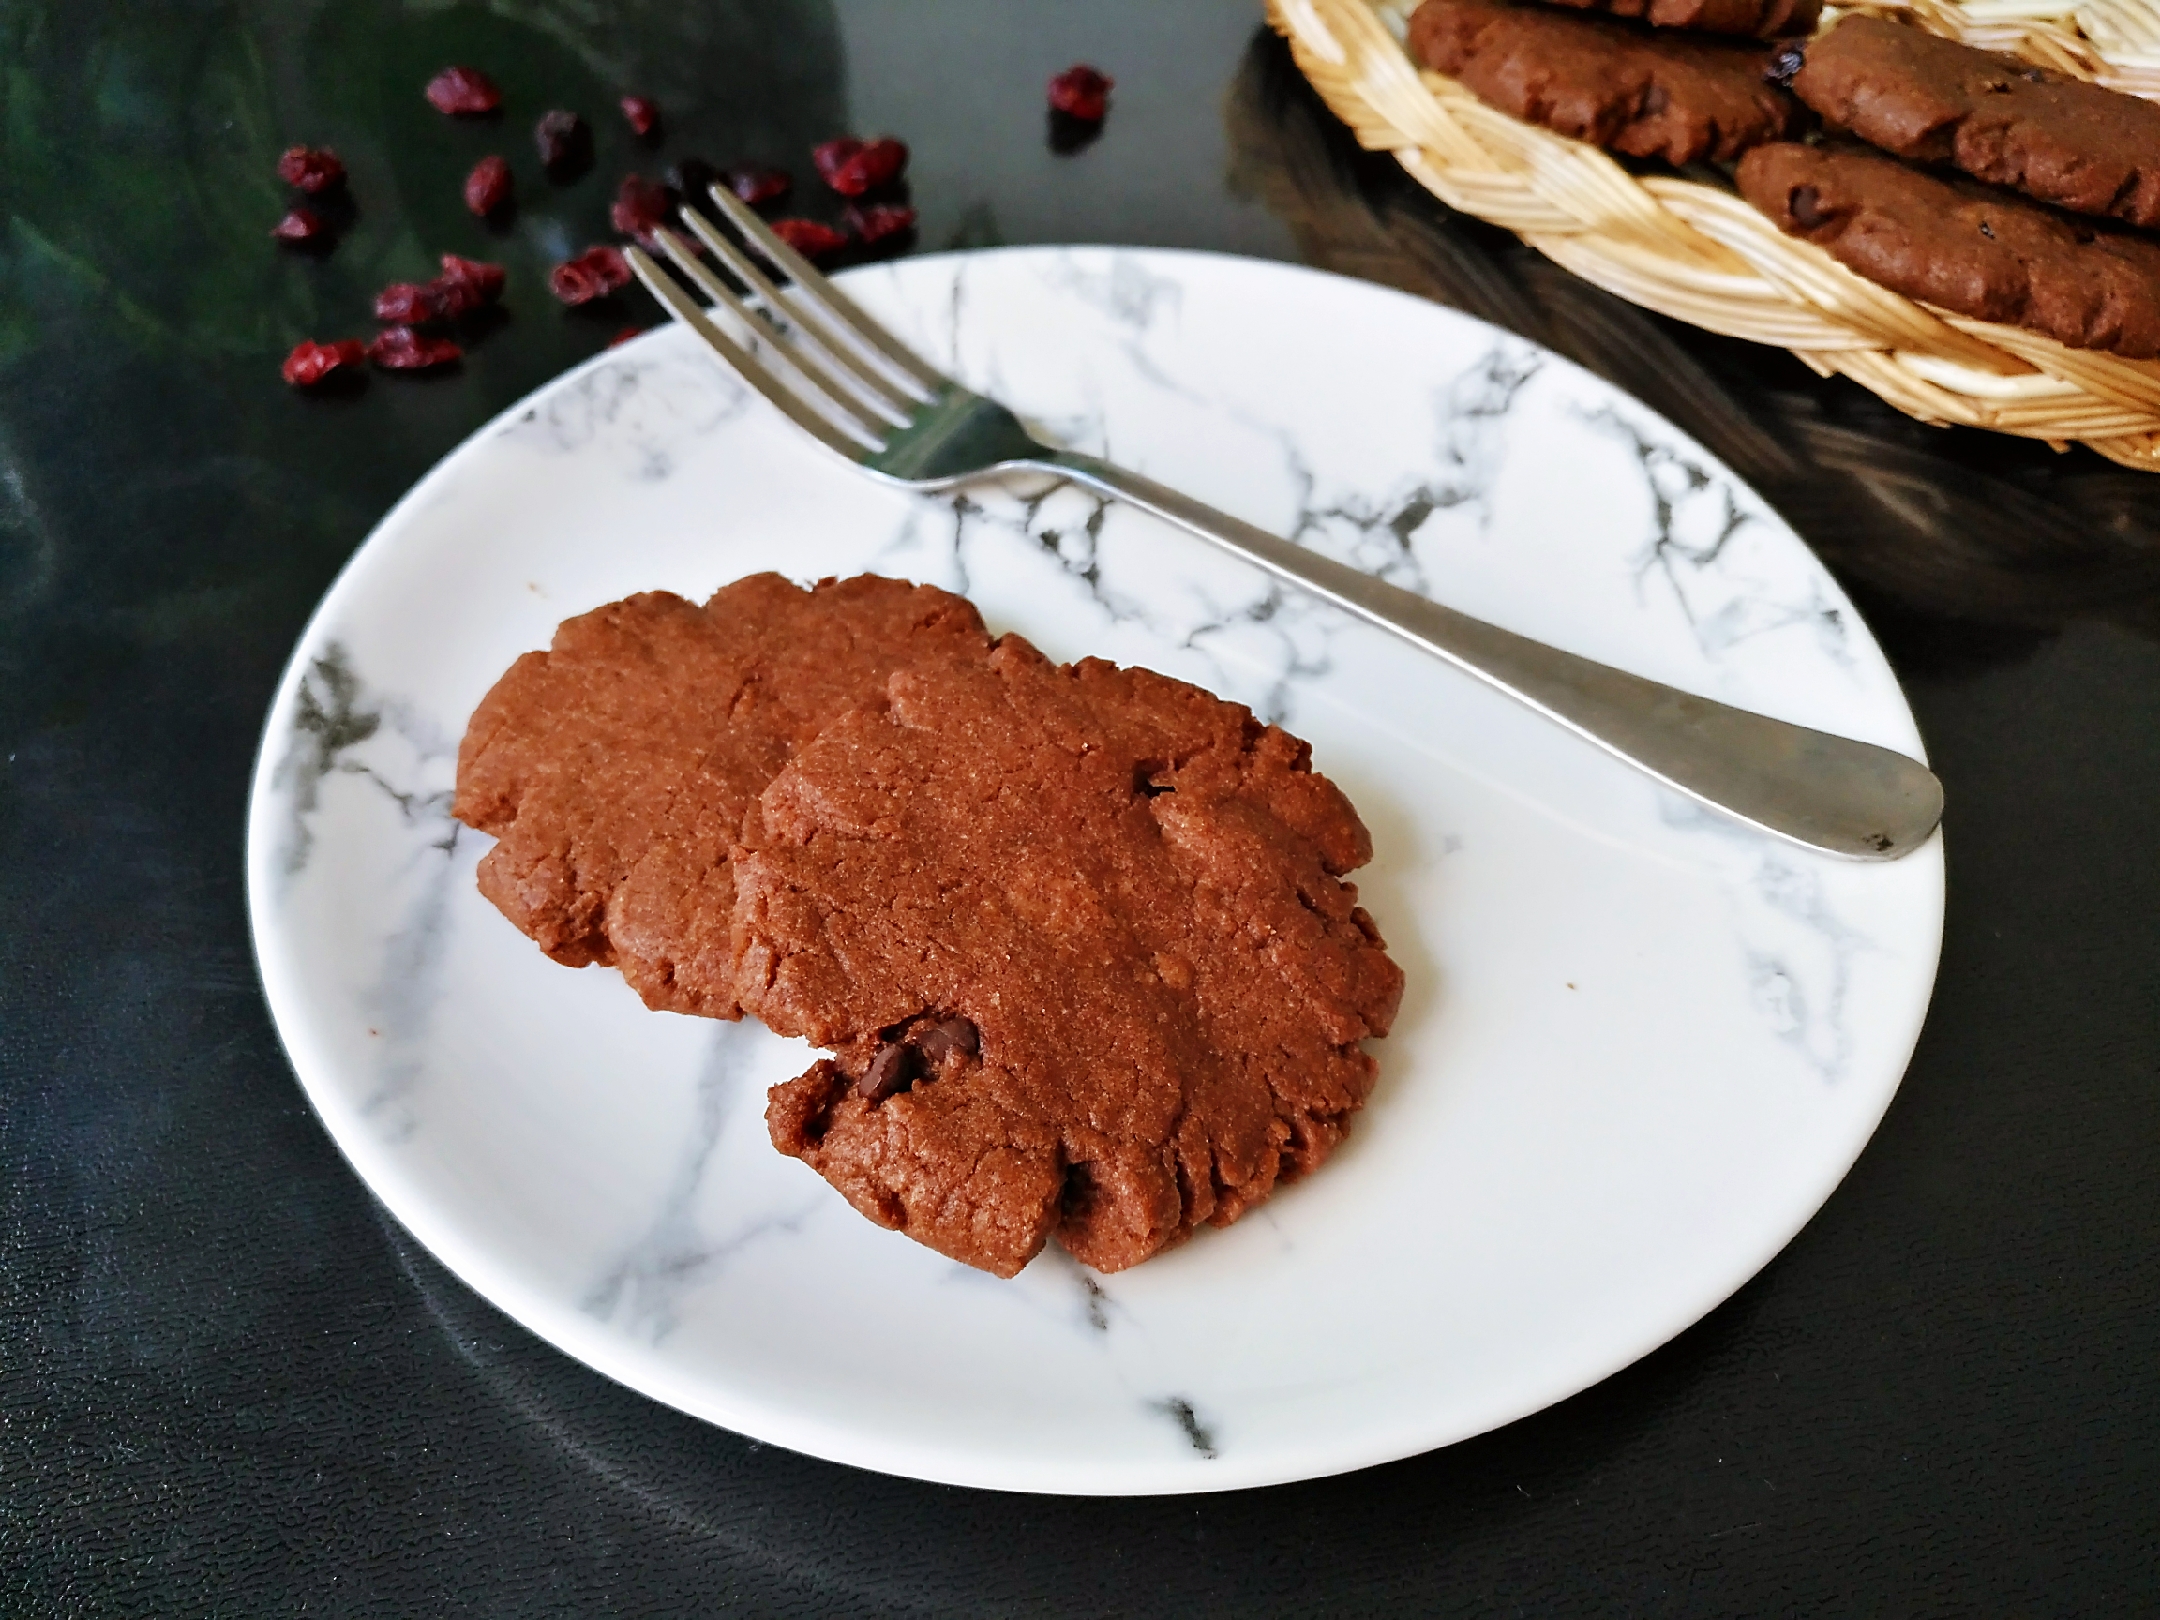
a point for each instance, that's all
(1827, 792)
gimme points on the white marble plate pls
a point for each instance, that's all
(1639, 1047)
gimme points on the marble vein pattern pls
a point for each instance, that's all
(1799, 952)
(675, 1255)
(329, 719)
(345, 733)
(603, 1171)
(1698, 546)
(1197, 1434)
(631, 414)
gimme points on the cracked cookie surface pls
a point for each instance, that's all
(1079, 941)
(614, 769)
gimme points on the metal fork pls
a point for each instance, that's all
(852, 386)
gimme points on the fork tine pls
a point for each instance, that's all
(836, 362)
(809, 359)
(831, 307)
(827, 431)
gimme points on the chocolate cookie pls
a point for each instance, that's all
(2050, 136)
(1645, 92)
(615, 767)
(1751, 19)
(1964, 247)
(1079, 939)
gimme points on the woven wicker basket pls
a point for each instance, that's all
(1699, 253)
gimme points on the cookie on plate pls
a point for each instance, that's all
(2076, 145)
(1750, 19)
(1644, 92)
(1963, 247)
(614, 768)
(1079, 938)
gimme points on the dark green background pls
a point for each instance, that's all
(229, 1386)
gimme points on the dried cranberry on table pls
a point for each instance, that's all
(592, 274)
(852, 167)
(488, 187)
(1082, 93)
(411, 303)
(562, 140)
(758, 186)
(454, 300)
(463, 91)
(640, 204)
(880, 225)
(400, 348)
(312, 169)
(302, 227)
(813, 241)
(483, 281)
(464, 286)
(310, 362)
(641, 113)
(624, 336)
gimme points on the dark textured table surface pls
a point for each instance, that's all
(229, 1385)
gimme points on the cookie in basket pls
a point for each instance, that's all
(1644, 92)
(1966, 248)
(2077, 145)
(1750, 19)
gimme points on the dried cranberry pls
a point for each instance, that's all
(642, 114)
(463, 90)
(1083, 93)
(486, 281)
(314, 169)
(806, 236)
(562, 140)
(411, 303)
(400, 348)
(640, 204)
(895, 1069)
(302, 227)
(592, 274)
(879, 225)
(624, 336)
(310, 362)
(939, 1041)
(454, 300)
(464, 286)
(852, 167)
(757, 186)
(488, 187)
